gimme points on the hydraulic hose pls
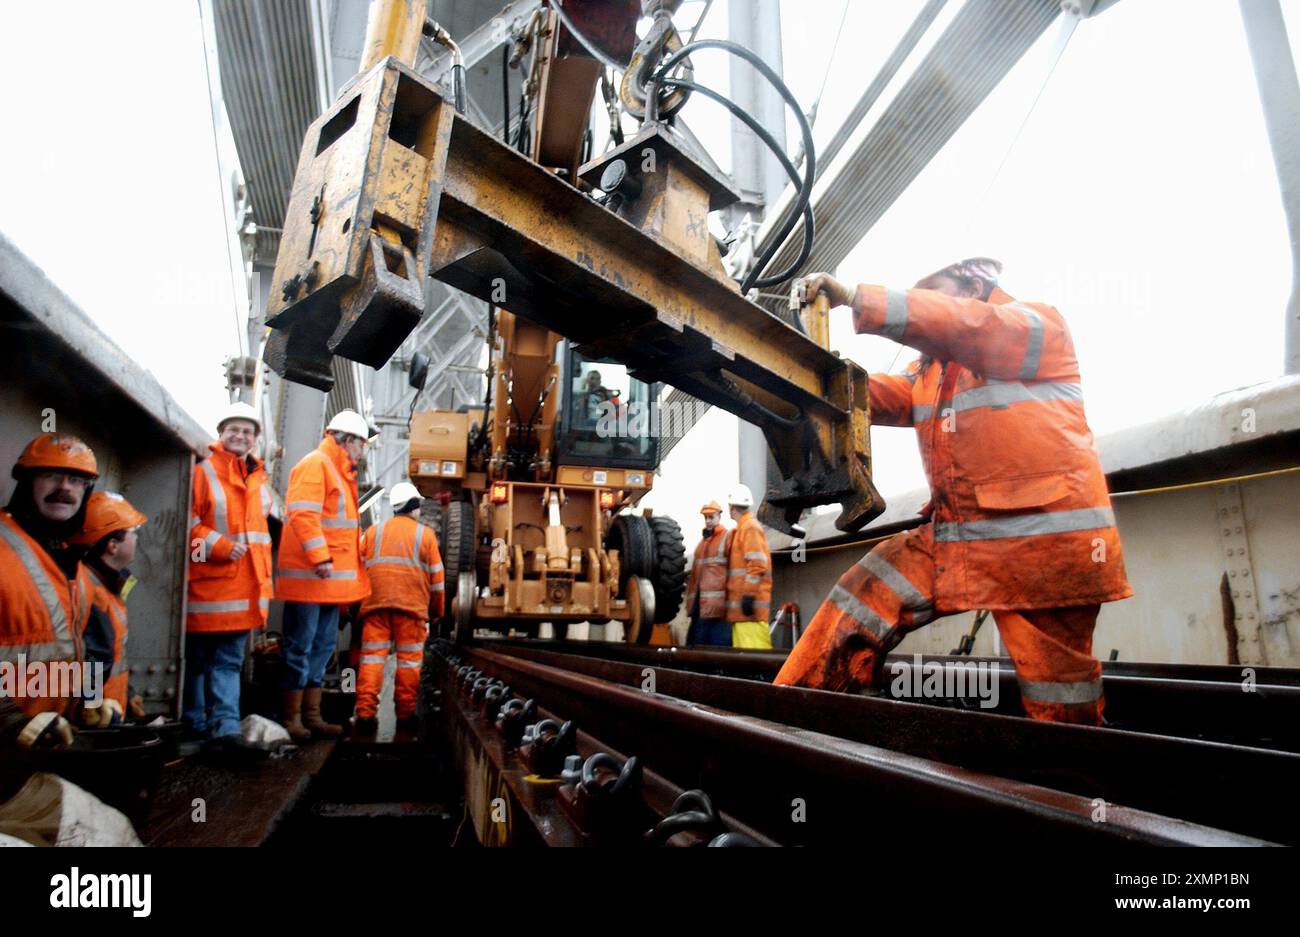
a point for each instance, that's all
(791, 170)
(802, 210)
(805, 191)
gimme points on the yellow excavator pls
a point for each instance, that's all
(533, 492)
(604, 280)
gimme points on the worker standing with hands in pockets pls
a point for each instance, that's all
(319, 567)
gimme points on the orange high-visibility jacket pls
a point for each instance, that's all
(708, 579)
(1022, 517)
(42, 613)
(749, 570)
(401, 557)
(230, 503)
(323, 525)
(116, 675)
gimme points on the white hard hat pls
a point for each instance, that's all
(239, 411)
(351, 422)
(741, 497)
(401, 493)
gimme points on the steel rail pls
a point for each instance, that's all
(1184, 701)
(548, 822)
(803, 787)
(1225, 786)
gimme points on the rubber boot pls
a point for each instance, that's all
(291, 715)
(311, 715)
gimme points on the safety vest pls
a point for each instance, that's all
(116, 674)
(708, 579)
(749, 570)
(405, 569)
(42, 612)
(230, 505)
(1022, 517)
(323, 524)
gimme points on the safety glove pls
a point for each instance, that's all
(46, 730)
(106, 714)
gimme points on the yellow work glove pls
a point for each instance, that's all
(102, 716)
(46, 730)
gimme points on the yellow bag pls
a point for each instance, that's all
(751, 634)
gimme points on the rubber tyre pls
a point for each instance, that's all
(668, 576)
(631, 536)
(457, 543)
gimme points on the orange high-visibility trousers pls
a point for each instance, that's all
(380, 629)
(890, 592)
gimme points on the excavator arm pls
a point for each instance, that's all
(394, 185)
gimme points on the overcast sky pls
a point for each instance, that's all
(1140, 198)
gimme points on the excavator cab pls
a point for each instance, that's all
(608, 417)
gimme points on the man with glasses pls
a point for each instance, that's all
(319, 568)
(230, 581)
(44, 588)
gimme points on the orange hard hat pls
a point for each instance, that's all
(711, 508)
(107, 512)
(59, 451)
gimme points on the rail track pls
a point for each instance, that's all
(780, 765)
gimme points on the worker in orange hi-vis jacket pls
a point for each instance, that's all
(706, 587)
(230, 586)
(749, 575)
(110, 534)
(406, 591)
(319, 567)
(44, 588)
(1020, 520)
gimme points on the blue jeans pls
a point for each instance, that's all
(709, 632)
(311, 632)
(213, 662)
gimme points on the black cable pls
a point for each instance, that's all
(660, 77)
(491, 379)
(505, 94)
(810, 168)
(458, 86)
(791, 170)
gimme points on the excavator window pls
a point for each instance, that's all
(607, 416)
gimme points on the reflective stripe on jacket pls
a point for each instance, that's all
(229, 505)
(323, 525)
(708, 579)
(1022, 517)
(42, 613)
(401, 557)
(104, 600)
(749, 570)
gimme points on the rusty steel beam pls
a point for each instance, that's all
(509, 226)
(1221, 785)
(393, 186)
(805, 787)
(1184, 701)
